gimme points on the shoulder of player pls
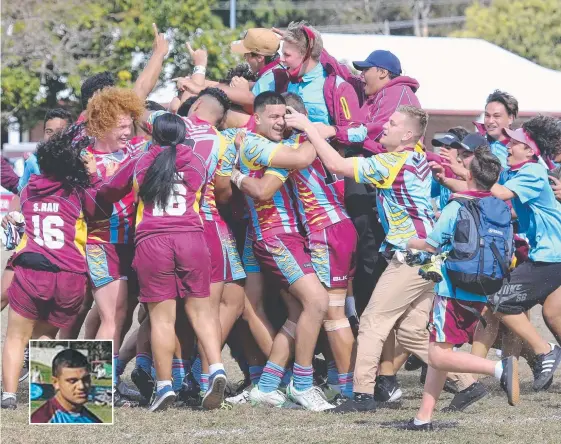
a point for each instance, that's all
(44, 413)
(89, 414)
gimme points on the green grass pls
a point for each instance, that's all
(46, 373)
(102, 412)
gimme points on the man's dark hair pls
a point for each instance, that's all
(546, 132)
(93, 84)
(267, 98)
(154, 106)
(219, 95)
(241, 70)
(459, 131)
(58, 113)
(508, 101)
(69, 358)
(186, 106)
(485, 168)
(268, 59)
(295, 101)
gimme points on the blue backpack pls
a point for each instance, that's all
(482, 246)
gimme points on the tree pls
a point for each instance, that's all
(529, 28)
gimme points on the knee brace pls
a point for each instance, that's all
(289, 328)
(336, 325)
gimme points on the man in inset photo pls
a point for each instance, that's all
(72, 381)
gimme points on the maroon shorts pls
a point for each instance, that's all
(226, 264)
(333, 251)
(451, 322)
(111, 262)
(284, 256)
(47, 296)
(173, 265)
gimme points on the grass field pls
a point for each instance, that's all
(46, 373)
(537, 419)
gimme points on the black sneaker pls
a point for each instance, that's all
(450, 386)
(145, 383)
(467, 397)
(509, 380)
(120, 400)
(362, 402)
(24, 372)
(413, 363)
(545, 366)
(417, 428)
(190, 393)
(387, 389)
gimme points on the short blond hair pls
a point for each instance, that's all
(420, 116)
(296, 35)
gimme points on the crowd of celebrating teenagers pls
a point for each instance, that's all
(296, 212)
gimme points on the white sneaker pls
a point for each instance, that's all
(311, 399)
(127, 391)
(272, 399)
(242, 398)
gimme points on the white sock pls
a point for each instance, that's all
(161, 384)
(499, 370)
(7, 395)
(212, 368)
(419, 422)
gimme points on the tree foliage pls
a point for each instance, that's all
(529, 28)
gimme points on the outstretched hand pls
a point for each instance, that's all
(437, 171)
(279, 32)
(160, 45)
(199, 56)
(239, 139)
(296, 120)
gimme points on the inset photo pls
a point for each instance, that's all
(70, 382)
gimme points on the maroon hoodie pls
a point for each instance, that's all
(10, 179)
(55, 225)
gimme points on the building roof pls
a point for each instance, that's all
(457, 74)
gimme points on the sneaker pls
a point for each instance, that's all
(433, 270)
(467, 397)
(416, 428)
(242, 398)
(24, 372)
(311, 399)
(190, 393)
(450, 386)
(509, 380)
(144, 381)
(362, 402)
(387, 389)
(9, 403)
(413, 363)
(275, 398)
(119, 400)
(163, 398)
(330, 392)
(127, 391)
(214, 397)
(545, 366)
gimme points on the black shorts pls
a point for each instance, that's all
(530, 284)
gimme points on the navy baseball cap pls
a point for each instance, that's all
(380, 59)
(444, 139)
(471, 142)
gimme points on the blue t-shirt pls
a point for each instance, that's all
(441, 238)
(30, 168)
(539, 213)
(499, 150)
(310, 89)
(265, 83)
(441, 192)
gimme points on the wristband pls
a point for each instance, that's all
(199, 69)
(237, 178)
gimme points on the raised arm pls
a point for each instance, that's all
(261, 189)
(149, 76)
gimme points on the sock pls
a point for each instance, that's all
(153, 372)
(144, 361)
(332, 373)
(204, 382)
(499, 370)
(213, 368)
(121, 367)
(197, 369)
(177, 373)
(419, 422)
(303, 377)
(286, 378)
(115, 371)
(255, 372)
(271, 377)
(346, 384)
(7, 395)
(161, 384)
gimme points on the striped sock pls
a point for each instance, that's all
(144, 361)
(286, 378)
(255, 372)
(178, 372)
(346, 384)
(332, 373)
(204, 382)
(115, 371)
(121, 365)
(303, 377)
(271, 377)
(197, 369)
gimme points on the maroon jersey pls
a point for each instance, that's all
(182, 211)
(9, 178)
(55, 222)
(53, 412)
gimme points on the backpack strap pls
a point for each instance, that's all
(504, 267)
(474, 312)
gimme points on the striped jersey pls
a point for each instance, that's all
(403, 184)
(54, 413)
(276, 215)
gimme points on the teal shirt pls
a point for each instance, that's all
(499, 150)
(310, 89)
